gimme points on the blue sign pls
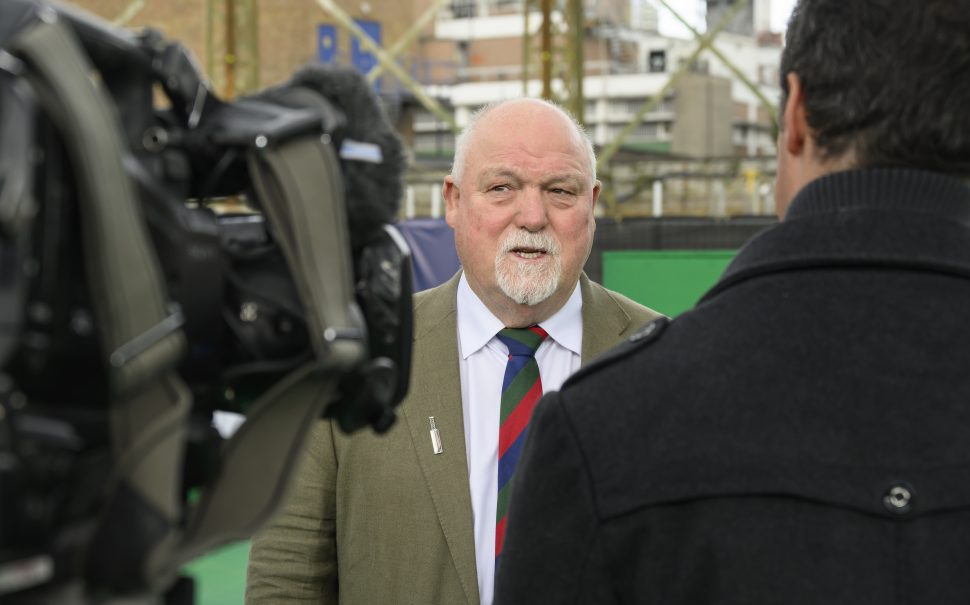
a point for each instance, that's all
(362, 60)
(327, 43)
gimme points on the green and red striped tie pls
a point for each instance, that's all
(521, 390)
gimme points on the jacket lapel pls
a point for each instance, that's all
(603, 320)
(437, 392)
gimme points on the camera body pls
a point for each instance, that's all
(131, 309)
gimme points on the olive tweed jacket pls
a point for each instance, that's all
(382, 519)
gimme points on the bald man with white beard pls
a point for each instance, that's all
(410, 516)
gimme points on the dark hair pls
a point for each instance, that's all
(886, 79)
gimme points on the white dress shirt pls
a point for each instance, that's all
(482, 359)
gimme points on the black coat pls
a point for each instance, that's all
(801, 436)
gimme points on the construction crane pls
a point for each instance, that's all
(569, 53)
(232, 45)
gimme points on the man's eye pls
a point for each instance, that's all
(559, 191)
(499, 188)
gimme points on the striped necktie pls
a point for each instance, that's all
(521, 389)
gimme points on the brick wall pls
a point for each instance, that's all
(183, 20)
(286, 33)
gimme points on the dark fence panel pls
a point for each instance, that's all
(674, 233)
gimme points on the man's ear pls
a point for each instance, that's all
(451, 193)
(795, 120)
(597, 188)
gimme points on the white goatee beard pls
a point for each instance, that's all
(528, 283)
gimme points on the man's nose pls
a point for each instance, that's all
(532, 210)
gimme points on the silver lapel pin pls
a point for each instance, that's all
(435, 437)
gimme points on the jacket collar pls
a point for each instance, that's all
(877, 217)
(897, 189)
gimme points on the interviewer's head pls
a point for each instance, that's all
(873, 83)
(520, 199)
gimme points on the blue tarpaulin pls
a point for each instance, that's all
(433, 254)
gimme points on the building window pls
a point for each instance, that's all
(630, 107)
(697, 66)
(768, 74)
(435, 144)
(644, 133)
(424, 121)
(506, 6)
(625, 107)
(461, 49)
(657, 61)
(463, 9)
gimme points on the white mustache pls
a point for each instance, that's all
(528, 239)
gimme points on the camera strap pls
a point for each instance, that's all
(139, 333)
(307, 218)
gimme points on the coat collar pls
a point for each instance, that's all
(864, 218)
(898, 189)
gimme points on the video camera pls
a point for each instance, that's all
(131, 310)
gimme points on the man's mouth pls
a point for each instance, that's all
(528, 253)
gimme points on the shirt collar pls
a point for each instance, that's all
(477, 325)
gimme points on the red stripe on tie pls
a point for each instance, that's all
(521, 346)
(518, 419)
(500, 535)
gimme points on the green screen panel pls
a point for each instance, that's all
(668, 281)
(220, 576)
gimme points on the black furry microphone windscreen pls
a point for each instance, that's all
(372, 154)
